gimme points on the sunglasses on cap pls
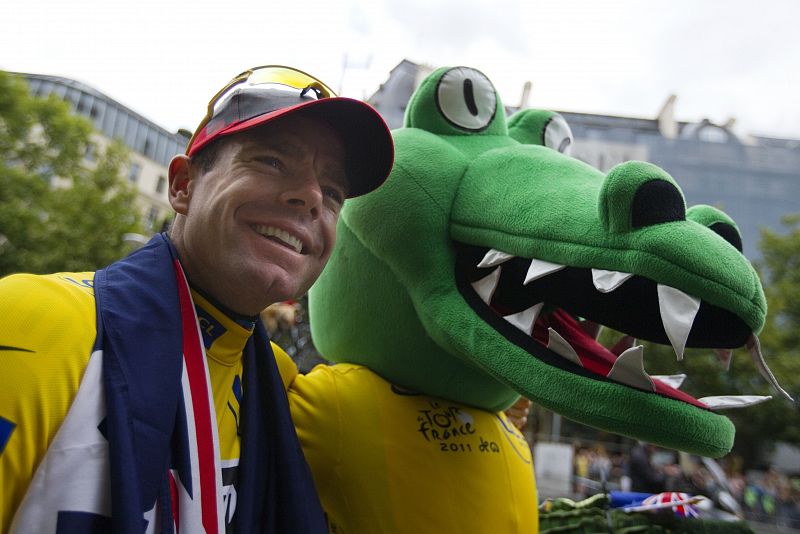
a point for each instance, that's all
(267, 75)
(262, 94)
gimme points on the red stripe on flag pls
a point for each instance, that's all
(195, 369)
(176, 503)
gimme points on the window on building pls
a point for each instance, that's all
(84, 104)
(712, 134)
(134, 171)
(72, 96)
(152, 217)
(161, 185)
(91, 152)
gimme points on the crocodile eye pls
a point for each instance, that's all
(656, 202)
(718, 222)
(466, 98)
(558, 135)
(728, 233)
(636, 194)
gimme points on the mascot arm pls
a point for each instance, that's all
(316, 415)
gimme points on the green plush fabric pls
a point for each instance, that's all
(396, 296)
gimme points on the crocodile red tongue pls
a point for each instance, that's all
(593, 356)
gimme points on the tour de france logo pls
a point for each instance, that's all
(452, 429)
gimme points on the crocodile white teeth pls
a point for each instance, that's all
(678, 311)
(494, 257)
(524, 320)
(725, 356)
(540, 268)
(673, 381)
(608, 281)
(629, 369)
(561, 346)
(725, 402)
(485, 286)
(754, 346)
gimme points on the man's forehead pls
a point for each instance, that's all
(298, 137)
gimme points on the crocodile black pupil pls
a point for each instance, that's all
(656, 202)
(469, 97)
(728, 233)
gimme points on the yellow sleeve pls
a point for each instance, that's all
(316, 416)
(46, 336)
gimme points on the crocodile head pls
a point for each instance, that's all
(484, 266)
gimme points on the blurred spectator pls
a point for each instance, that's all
(279, 316)
(599, 464)
(645, 476)
(772, 497)
(581, 465)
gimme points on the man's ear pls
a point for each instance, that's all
(180, 183)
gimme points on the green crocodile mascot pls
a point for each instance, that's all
(477, 274)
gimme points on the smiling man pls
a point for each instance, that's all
(146, 395)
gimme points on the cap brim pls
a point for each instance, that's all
(369, 150)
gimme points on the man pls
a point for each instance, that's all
(145, 396)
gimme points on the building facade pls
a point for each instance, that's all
(151, 146)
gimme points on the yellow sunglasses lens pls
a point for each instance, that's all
(290, 77)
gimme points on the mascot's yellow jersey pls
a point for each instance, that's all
(46, 344)
(414, 463)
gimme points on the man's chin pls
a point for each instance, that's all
(277, 284)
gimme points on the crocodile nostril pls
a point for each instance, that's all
(656, 202)
(728, 233)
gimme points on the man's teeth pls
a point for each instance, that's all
(678, 311)
(608, 281)
(525, 319)
(283, 235)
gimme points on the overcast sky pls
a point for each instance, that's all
(164, 59)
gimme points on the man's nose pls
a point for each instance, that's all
(304, 192)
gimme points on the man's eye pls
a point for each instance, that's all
(270, 161)
(334, 194)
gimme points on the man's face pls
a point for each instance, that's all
(260, 224)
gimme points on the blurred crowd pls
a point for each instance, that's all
(766, 496)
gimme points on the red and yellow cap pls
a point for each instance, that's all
(262, 94)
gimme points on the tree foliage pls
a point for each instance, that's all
(58, 211)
